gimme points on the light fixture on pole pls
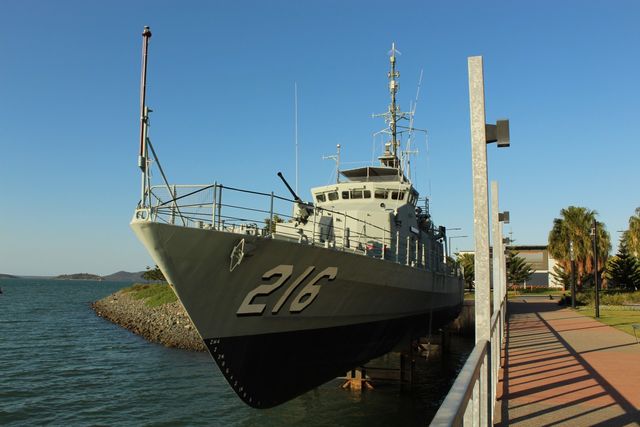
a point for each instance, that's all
(594, 234)
(443, 234)
(573, 275)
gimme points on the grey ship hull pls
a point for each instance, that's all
(289, 316)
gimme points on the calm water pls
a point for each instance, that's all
(60, 364)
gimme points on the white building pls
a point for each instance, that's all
(541, 262)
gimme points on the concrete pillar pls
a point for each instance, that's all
(503, 281)
(480, 219)
(497, 281)
(497, 246)
(502, 265)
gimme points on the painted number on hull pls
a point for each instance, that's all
(304, 298)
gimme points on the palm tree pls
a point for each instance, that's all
(632, 235)
(467, 263)
(573, 228)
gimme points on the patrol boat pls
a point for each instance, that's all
(288, 294)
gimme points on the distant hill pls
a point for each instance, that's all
(125, 276)
(78, 276)
(120, 276)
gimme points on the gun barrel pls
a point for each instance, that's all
(293, 193)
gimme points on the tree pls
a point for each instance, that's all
(467, 263)
(268, 226)
(573, 228)
(632, 235)
(623, 270)
(518, 269)
(154, 275)
(562, 276)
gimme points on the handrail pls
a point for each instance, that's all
(201, 207)
(209, 186)
(206, 187)
(453, 408)
(175, 199)
(496, 316)
(485, 356)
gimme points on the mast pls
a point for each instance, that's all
(393, 88)
(295, 85)
(142, 155)
(390, 156)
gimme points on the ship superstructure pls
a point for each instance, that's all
(288, 294)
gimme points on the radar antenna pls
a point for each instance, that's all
(393, 89)
(393, 114)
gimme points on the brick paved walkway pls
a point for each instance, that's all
(563, 368)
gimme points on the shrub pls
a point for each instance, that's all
(154, 295)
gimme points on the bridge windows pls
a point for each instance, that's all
(380, 194)
(413, 197)
(356, 194)
(351, 194)
(397, 195)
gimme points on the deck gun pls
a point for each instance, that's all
(303, 209)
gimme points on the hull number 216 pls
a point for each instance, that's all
(302, 300)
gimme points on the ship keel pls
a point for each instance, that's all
(269, 369)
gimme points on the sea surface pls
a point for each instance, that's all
(60, 364)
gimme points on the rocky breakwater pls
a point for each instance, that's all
(166, 323)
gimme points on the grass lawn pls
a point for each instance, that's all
(618, 318)
(469, 295)
(537, 291)
(153, 295)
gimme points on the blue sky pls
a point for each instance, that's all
(221, 81)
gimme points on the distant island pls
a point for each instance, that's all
(78, 276)
(126, 276)
(119, 276)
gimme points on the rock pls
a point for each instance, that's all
(157, 324)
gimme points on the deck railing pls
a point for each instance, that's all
(268, 215)
(471, 399)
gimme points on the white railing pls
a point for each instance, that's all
(472, 397)
(268, 215)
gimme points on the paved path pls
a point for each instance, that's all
(563, 368)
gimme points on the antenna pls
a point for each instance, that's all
(295, 90)
(412, 114)
(415, 103)
(335, 157)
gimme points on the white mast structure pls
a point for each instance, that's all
(390, 156)
(295, 90)
(143, 162)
